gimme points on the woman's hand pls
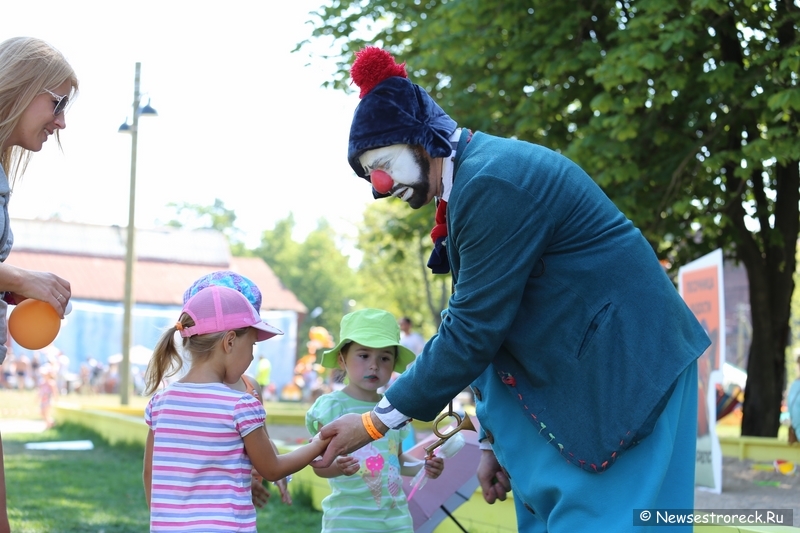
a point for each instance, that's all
(44, 286)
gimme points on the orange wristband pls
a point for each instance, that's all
(370, 427)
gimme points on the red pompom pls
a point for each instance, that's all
(372, 66)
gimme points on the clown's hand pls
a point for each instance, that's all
(493, 479)
(347, 434)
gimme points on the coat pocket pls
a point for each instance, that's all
(595, 324)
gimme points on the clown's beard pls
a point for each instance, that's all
(421, 186)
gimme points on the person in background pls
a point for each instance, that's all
(258, 486)
(793, 405)
(36, 86)
(264, 373)
(581, 354)
(48, 391)
(410, 338)
(22, 367)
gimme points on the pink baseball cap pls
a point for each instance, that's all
(217, 309)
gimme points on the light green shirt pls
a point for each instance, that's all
(373, 498)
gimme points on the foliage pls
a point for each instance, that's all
(101, 490)
(685, 112)
(396, 244)
(217, 216)
(316, 271)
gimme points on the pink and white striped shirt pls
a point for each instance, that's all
(201, 472)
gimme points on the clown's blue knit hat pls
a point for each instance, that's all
(393, 110)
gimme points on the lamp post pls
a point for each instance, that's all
(133, 129)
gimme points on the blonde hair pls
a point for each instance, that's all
(28, 66)
(167, 362)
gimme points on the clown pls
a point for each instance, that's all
(580, 353)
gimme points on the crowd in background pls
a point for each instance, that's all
(23, 371)
(26, 372)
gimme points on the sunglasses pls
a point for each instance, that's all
(61, 102)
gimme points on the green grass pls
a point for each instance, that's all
(100, 491)
(73, 491)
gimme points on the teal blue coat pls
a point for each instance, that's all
(560, 296)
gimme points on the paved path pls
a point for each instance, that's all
(12, 425)
(752, 485)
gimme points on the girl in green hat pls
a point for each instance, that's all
(366, 485)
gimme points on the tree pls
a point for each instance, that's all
(215, 216)
(315, 270)
(685, 112)
(396, 244)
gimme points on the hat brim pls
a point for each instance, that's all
(264, 331)
(405, 357)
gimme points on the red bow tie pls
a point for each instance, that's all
(438, 261)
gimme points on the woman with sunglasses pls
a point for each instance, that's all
(36, 85)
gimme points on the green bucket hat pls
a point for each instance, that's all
(373, 328)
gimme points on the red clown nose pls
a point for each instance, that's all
(381, 181)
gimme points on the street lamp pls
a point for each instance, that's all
(133, 130)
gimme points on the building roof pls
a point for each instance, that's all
(169, 262)
(194, 247)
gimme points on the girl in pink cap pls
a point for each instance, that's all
(242, 284)
(204, 436)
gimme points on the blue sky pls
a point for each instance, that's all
(240, 117)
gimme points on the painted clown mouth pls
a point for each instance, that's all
(404, 193)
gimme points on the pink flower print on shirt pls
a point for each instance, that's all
(374, 464)
(371, 463)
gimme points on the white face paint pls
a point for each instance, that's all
(400, 163)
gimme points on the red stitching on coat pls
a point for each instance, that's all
(509, 380)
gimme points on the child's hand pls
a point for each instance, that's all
(434, 467)
(317, 439)
(260, 494)
(282, 485)
(321, 445)
(347, 465)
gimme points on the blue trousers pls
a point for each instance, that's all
(553, 496)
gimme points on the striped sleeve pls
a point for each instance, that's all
(248, 415)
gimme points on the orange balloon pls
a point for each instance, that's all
(33, 324)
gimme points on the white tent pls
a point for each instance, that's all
(139, 355)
